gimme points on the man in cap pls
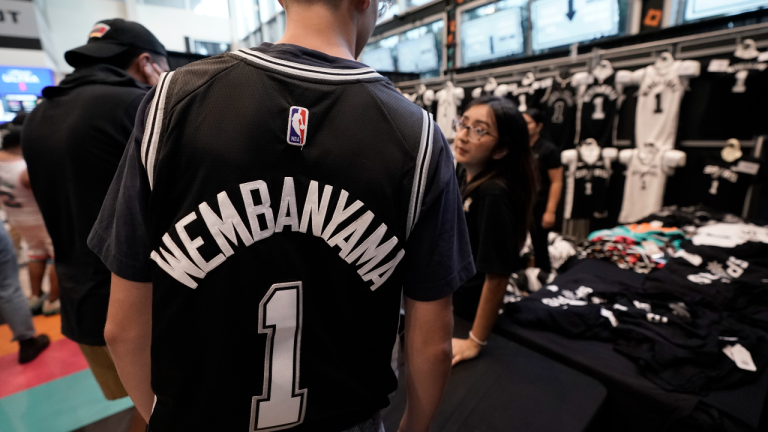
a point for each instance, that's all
(73, 143)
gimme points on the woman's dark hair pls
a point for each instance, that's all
(536, 114)
(516, 170)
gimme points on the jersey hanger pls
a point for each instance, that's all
(528, 79)
(732, 151)
(747, 50)
(590, 151)
(664, 61)
(491, 85)
(603, 70)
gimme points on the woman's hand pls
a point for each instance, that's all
(464, 349)
(548, 221)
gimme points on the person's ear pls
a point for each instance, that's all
(499, 153)
(143, 60)
(362, 5)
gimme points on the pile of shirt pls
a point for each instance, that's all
(696, 323)
(638, 247)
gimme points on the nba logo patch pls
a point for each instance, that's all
(99, 30)
(297, 126)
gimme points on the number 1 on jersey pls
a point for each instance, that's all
(658, 104)
(598, 113)
(281, 404)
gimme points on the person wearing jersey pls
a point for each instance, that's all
(24, 216)
(550, 169)
(300, 183)
(498, 181)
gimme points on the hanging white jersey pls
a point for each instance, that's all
(448, 100)
(17, 200)
(644, 187)
(658, 106)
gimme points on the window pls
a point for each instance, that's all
(216, 8)
(273, 30)
(179, 4)
(210, 48)
(491, 31)
(418, 50)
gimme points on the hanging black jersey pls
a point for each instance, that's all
(528, 93)
(599, 102)
(284, 195)
(727, 100)
(560, 103)
(586, 195)
(723, 185)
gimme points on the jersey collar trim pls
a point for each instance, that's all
(305, 70)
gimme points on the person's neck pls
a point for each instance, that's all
(472, 171)
(318, 28)
(534, 138)
(11, 152)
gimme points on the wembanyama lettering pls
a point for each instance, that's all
(227, 225)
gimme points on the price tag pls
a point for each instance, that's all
(741, 357)
(719, 65)
(747, 167)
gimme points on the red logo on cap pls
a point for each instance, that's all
(99, 30)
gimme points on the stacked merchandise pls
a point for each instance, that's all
(696, 324)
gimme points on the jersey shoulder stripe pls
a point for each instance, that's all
(264, 61)
(154, 125)
(172, 88)
(416, 127)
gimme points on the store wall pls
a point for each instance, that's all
(71, 20)
(25, 57)
(171, 25)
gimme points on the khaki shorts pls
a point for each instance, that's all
(104, 371)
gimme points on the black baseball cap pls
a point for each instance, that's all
(111, 37)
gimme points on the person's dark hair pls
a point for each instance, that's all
(516, 170)
(536, 114)
(121, 61)
(11, 132)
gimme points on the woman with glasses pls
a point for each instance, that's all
(497, 177)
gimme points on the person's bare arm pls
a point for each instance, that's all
(428, 329)
(487, 313)
(556, 187)
(25, 180)
(129, 334)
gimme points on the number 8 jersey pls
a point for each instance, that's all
(281, 201)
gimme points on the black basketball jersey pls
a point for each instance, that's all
(560, 103)
(527, 96)
(599, 103)
(723, 185)
(727, 100)
(286, 186)
(590, 183)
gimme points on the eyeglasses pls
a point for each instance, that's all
(384, 6)
(474, 133)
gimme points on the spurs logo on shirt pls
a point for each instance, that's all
(734, 268)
